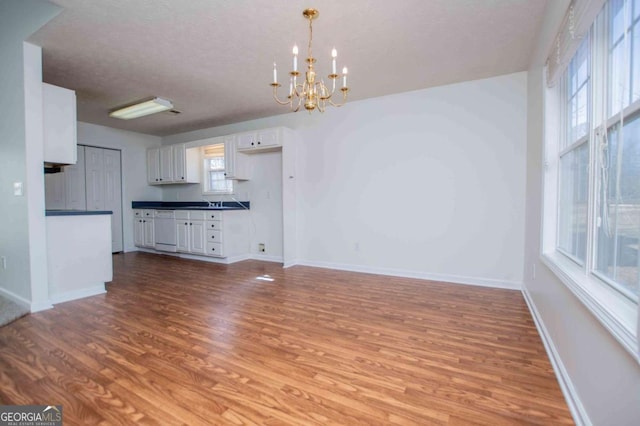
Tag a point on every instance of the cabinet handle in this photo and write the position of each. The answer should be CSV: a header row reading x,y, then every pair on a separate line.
x,y
213,249
252,144
186,223
182,178
258,142
160,178
191,224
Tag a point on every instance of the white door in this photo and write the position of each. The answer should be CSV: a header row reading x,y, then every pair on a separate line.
x,y
74,176
197,235
149,234
166,164
179,163
153,165
138,231
182,235
113,196
94,166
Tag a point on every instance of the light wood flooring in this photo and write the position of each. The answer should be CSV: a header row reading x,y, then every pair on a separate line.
x,y
185,342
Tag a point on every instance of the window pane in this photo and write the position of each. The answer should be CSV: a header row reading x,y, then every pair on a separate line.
x,y
572,223
618,232
578,95
624,61
218,183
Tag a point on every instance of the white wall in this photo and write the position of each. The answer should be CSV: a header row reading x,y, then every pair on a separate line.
x,y
602,379
134,167
21,217
427,183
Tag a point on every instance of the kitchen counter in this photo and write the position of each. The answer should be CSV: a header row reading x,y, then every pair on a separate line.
x,y
190,205
55,212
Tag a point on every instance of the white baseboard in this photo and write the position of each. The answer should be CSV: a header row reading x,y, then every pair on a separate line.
x,y
290,263
78,294
40,306
456,279
265,258
580,416
18,300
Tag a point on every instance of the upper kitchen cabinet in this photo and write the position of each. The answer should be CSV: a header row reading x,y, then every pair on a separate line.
x,y
260,141
59,124
173,164
236,164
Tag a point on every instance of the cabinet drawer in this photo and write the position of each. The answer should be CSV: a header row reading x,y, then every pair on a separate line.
x,y
197,215
214,249
182,214
214,236
211,225
214,215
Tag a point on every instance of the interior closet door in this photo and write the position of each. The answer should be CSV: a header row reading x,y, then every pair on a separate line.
x,y
113,195
94,159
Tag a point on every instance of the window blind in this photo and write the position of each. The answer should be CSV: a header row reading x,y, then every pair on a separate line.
x,y
214,150
574,27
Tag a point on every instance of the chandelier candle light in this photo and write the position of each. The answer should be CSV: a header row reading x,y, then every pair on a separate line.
x,y
311,92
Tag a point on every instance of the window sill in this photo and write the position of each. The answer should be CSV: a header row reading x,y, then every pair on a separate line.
x,y
617,313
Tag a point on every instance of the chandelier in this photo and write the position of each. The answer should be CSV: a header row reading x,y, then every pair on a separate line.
x,y
312,92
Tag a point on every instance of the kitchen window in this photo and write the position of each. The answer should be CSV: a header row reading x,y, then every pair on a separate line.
x,y
592,170
214,180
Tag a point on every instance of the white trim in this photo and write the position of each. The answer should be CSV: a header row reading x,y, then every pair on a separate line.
x,y
40,306
18,300
455,279
266,258
614,311
579,414
290,263
78,294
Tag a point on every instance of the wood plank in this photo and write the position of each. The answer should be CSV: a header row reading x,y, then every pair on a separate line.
x,y
177,341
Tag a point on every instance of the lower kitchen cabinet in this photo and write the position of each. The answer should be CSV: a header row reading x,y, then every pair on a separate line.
x,y
213,233
143,228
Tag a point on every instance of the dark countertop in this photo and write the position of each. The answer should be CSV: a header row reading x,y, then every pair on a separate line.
x,y
189,205
76,212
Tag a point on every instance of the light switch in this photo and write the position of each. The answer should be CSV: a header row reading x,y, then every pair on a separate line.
x,y
17,189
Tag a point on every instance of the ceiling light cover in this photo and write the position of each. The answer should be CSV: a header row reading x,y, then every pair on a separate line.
x,y
140,110
312,93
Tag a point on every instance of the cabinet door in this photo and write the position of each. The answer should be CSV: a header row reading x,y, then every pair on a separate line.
x,y
197,235
166,164
59,124
94,162
230,157
179,163
246,140
268,138
138,232
149,234
153,165
74,176
113,196
54,191
182,235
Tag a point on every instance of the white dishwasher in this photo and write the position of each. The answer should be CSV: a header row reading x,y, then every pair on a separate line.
x,y
165,230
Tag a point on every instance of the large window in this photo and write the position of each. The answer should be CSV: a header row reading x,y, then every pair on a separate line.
x,y
214,174
595,176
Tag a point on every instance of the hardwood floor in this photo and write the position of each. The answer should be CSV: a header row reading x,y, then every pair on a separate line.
x,y
186,342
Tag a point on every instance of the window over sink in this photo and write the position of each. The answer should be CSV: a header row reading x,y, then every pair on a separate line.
x,y
215,181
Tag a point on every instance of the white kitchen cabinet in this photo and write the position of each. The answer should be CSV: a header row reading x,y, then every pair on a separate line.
x,y
75,183
259,141
173,164
236,164
94,172
166,164
153,166
190,232
186,164
143,228
55,191
59,124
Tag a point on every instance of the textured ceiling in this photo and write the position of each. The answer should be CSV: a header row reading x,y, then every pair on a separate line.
x,y
213,58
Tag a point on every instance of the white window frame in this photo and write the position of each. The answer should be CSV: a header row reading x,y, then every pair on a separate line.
x,y
206,190
618,313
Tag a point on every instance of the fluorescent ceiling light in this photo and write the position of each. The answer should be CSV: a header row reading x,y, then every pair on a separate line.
x,y
140,110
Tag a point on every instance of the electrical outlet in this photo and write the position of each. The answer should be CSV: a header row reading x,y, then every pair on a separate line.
x,y
261,248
